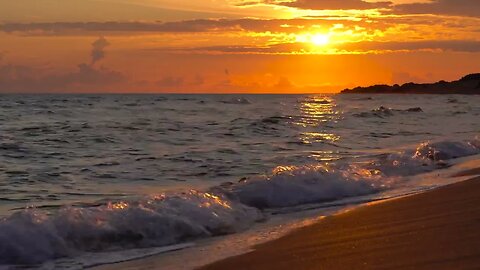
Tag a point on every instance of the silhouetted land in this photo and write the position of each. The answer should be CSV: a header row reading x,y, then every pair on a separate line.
x,y
468,85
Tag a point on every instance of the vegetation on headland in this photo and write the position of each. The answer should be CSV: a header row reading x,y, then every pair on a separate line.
x,y
468,85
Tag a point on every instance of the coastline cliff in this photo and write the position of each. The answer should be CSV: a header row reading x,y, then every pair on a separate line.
x,y
468,85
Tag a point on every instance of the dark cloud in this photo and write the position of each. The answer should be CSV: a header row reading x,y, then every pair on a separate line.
x,y
336,4
23,79
369,26
284,83
443,45
270,49
177,82
201,25
192,26
443,7
469,8
92,10
98,50
170,82
18,78
360,47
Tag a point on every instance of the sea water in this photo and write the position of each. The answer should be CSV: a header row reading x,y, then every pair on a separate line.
x,y
88,175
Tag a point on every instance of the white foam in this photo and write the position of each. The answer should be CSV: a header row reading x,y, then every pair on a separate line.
x,y
426,157
446,150
34,236
296,185
290,186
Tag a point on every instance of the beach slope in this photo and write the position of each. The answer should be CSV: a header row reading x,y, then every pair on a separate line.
x,y
433,230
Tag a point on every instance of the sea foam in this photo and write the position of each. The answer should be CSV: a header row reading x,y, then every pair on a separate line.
x,y
33,236
295,185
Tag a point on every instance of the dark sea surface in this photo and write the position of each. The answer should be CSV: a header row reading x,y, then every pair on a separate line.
x,y
192,166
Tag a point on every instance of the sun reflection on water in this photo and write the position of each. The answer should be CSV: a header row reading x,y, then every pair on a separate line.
x,y
317,113
118,205
309,137
316,110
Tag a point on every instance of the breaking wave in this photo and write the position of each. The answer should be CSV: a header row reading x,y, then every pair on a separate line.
x,y
33,236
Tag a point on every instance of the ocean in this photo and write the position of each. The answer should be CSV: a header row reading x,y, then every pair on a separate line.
x,y
88,174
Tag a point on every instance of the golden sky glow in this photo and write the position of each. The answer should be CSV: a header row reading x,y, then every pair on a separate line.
x,y
232,46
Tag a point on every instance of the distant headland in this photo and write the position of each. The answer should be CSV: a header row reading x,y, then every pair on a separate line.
x,y
468,85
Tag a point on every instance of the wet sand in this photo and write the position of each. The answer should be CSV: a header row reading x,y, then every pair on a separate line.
x,y
439,229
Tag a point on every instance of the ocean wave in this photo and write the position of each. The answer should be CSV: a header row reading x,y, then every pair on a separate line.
x,y
34,236
383,112
296,185
237,101
426,157
446,150
291,186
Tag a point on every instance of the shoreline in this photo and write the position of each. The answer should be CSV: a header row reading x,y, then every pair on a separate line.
x,y
432,230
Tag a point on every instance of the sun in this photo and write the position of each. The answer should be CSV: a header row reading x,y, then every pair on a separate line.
x,y
316,39
320,39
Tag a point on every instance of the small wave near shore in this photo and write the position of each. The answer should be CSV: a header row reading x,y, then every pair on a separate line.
x,y
34,236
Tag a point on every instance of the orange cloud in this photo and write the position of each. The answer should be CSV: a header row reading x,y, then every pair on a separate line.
x,y
442,7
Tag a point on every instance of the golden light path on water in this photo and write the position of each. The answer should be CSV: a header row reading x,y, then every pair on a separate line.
x,y
316,112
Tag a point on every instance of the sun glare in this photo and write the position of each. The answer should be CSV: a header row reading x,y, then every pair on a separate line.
x,y
315,39
320,39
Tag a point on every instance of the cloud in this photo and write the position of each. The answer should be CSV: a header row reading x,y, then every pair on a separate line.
x,y
442,7
19,78
281,48
24,79
170,82
443,45
98,50
103,10
56,28
404,77
284,84
343,48
190,26
175,83
469,8
336,4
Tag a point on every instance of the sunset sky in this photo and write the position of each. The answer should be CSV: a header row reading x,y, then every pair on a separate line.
x,y
233,46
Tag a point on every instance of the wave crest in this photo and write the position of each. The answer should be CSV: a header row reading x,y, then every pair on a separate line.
x,y
291,186
34,236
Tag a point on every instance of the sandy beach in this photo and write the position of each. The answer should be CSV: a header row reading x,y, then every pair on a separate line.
x,y
433,230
